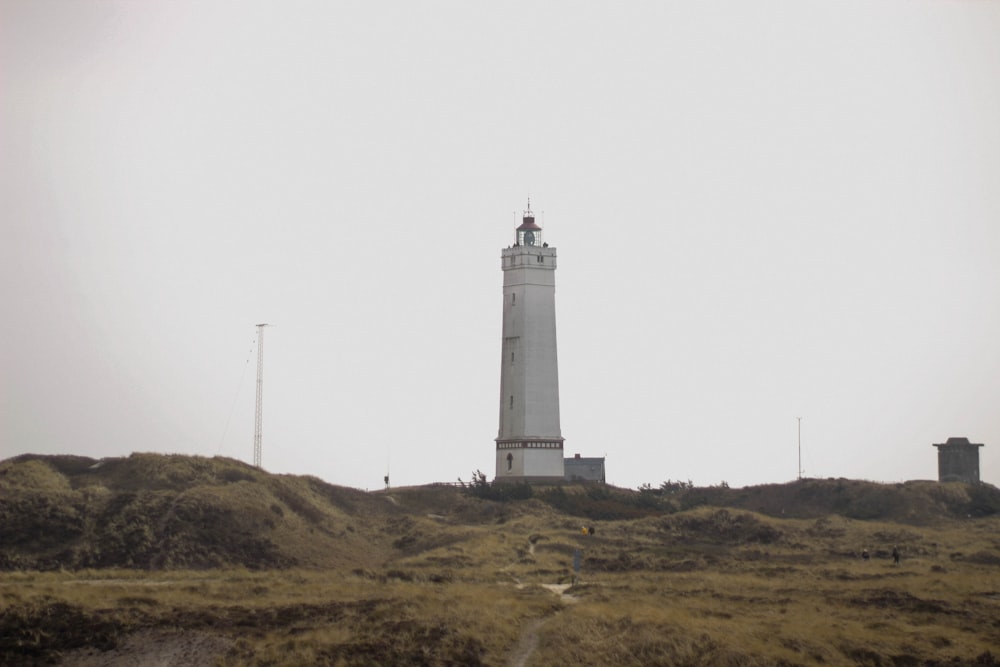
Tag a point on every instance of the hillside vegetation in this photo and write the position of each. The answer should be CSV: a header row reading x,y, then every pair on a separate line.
x,y
152,511
186,560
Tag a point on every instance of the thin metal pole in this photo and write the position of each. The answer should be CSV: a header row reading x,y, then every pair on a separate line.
x,y
257,432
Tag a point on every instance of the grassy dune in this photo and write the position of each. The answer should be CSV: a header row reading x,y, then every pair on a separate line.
x,y
240,567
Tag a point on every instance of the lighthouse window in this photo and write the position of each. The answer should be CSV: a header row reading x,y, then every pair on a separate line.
x,y
513,299
512,401
511,358
510,461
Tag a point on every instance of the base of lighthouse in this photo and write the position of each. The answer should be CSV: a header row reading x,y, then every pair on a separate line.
x,y
533,461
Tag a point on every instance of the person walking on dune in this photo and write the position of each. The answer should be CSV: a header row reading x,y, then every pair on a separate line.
x,y
895,556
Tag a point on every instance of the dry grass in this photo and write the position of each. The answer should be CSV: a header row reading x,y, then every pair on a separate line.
x,y
289,618
430,576
802,598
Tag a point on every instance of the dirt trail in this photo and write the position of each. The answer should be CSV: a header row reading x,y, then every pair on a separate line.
x,y
526,645
528,642
560,590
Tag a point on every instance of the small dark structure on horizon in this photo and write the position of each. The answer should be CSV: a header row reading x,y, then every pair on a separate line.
x,y
958,461
578,469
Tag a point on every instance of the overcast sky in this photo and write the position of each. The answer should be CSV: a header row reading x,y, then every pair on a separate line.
x,y
763,211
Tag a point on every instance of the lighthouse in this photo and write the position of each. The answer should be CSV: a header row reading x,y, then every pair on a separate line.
x,y
529,444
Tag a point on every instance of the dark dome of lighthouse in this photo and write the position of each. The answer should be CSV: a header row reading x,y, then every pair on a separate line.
x,y
528,221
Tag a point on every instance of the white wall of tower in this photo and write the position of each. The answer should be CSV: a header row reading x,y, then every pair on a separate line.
x,y
543,461
529,375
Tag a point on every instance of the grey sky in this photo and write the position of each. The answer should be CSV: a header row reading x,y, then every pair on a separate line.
x,y
763,210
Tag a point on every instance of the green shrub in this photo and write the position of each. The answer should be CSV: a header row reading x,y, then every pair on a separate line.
x,y
480,487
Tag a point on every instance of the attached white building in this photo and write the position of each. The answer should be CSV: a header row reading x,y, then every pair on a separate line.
x,y
529,444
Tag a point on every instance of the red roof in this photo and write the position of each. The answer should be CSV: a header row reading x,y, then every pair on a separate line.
x,y
528,224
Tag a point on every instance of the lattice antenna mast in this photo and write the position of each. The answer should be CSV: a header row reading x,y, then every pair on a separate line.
x,y
800,447
260,395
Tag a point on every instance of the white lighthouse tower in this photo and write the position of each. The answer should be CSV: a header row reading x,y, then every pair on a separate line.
x,y
529,442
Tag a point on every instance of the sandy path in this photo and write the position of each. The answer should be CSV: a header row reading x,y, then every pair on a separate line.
x,y
528,642
526,645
